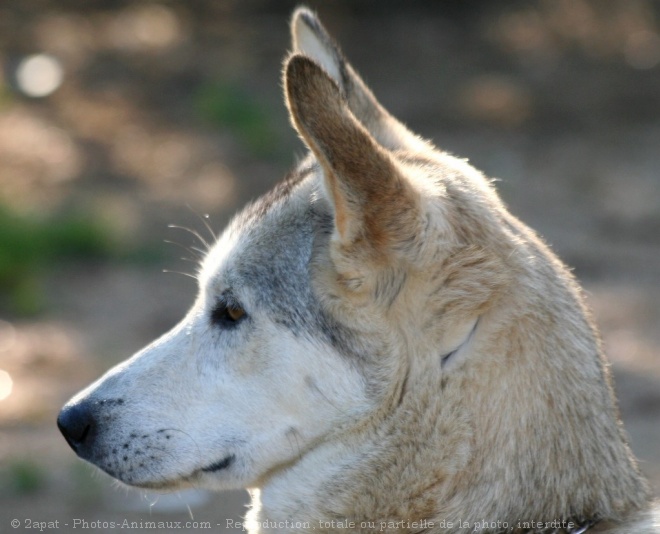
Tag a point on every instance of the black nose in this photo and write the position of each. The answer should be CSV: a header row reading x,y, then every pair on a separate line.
x,y
77,424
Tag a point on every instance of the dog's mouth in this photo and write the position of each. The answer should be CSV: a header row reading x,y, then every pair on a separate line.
x,y
220,465
176,484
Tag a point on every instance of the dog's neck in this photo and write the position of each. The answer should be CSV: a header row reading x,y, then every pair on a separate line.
x,y
453,484
479,453
347,481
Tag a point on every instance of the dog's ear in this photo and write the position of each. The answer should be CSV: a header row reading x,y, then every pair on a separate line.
x,y
375,206
310,38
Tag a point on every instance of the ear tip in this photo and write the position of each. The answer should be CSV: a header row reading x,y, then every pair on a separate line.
x,y
298,65
301,71
304,15
294,65
306,85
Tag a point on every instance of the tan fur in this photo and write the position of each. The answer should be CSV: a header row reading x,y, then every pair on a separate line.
x,y
524,425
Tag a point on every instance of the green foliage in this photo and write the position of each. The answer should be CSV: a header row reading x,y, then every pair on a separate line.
x,y
24,477
234,108
29,246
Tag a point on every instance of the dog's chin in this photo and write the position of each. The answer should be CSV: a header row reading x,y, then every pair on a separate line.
x,y
160,484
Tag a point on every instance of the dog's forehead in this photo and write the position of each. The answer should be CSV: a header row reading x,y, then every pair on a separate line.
x,y
270,240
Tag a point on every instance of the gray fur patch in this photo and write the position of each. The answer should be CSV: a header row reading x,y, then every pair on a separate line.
x,y
284,229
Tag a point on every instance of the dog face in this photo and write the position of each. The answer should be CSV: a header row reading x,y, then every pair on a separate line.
x,y
241,386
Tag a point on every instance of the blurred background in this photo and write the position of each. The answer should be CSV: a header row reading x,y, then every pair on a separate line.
x,y
119,118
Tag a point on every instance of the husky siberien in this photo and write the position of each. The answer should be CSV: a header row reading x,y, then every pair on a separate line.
x,y
377,346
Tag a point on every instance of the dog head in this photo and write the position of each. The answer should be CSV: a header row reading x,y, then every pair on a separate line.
x,y
298,330
367,286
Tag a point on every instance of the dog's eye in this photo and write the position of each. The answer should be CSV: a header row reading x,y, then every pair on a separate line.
x,y
227,314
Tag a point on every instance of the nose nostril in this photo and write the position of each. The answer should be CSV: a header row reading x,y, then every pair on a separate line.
x,y
76,423
75,436
83,436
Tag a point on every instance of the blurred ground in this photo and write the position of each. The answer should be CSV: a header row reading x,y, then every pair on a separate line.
x,y
161,112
